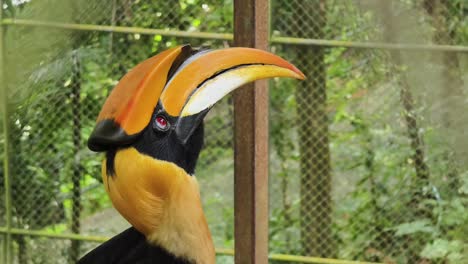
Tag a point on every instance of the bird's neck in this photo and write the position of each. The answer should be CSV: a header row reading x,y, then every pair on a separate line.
x,y
183,229
163,202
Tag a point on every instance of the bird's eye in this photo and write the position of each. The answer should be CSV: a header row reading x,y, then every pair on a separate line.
x,y
161,124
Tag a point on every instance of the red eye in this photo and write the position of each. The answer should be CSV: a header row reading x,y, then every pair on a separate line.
x,y
161,123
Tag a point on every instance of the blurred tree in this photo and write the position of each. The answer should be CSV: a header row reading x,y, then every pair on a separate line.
x,y
312,127
444,20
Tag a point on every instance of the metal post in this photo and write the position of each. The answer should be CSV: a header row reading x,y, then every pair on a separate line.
x,y
251,141
5,238
6,155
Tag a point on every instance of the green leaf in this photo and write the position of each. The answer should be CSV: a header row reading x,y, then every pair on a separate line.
x,y
423,226
196,22
464,188
442,248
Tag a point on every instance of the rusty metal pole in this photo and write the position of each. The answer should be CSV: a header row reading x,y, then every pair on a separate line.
x,y
251,29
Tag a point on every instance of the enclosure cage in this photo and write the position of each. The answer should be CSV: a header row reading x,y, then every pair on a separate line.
x,y
368,156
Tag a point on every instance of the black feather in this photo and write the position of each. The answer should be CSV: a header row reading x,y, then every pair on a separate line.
x,y
130,247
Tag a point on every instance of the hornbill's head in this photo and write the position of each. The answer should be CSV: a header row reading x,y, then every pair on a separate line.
x,y
151,130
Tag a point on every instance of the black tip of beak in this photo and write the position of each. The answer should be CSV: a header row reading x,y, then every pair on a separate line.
x,y
108,135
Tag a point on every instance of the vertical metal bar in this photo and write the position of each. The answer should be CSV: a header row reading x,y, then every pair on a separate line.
x,y
6,153
251,141
4,244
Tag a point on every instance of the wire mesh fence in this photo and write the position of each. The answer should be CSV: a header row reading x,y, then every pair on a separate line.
x,y
367,156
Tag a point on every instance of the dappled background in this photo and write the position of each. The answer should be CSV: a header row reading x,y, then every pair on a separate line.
x,y
368,156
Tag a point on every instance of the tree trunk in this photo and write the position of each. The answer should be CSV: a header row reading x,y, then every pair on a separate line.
x,y
451,90
315,191
410,115
417,209
22,250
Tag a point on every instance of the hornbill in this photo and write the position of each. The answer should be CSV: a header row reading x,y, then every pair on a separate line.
x,y
151,131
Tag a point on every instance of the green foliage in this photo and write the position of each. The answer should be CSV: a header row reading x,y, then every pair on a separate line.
x,y
443,249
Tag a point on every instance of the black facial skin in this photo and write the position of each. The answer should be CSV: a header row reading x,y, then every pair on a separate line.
x,y
167,146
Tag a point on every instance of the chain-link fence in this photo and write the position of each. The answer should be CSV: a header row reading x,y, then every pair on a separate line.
x,y
367,156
